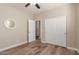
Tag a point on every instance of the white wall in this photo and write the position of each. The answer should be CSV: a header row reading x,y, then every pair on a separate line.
x,y
15,36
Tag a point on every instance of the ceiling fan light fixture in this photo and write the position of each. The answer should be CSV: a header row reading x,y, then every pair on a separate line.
x,y
36,4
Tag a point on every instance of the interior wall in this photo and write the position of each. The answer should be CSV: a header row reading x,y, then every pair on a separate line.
x,y
15,36
70,11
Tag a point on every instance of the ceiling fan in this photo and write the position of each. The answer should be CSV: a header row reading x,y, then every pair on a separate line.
x,y
36,4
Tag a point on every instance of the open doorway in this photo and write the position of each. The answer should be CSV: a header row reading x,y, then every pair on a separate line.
x,y
33,30
37,30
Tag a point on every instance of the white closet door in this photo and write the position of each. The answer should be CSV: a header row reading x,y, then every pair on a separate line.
x,y
55,30
31,30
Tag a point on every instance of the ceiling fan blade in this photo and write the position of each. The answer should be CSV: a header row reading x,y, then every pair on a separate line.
x,y
27,4
37,6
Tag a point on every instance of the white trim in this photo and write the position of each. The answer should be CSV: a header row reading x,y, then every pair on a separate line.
x,y
73,49
12,46
64,46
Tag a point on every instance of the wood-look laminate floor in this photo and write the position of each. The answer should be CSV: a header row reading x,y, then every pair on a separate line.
x,y
38,48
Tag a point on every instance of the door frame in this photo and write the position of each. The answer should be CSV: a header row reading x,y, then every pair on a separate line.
x,y
28,31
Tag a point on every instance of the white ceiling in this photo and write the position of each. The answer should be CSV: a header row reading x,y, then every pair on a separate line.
x,y
32,9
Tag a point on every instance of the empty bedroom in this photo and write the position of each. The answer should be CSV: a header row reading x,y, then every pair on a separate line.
x,y
39,29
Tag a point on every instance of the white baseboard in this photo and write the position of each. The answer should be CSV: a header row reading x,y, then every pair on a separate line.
x,y
64,46
73,49
12,46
